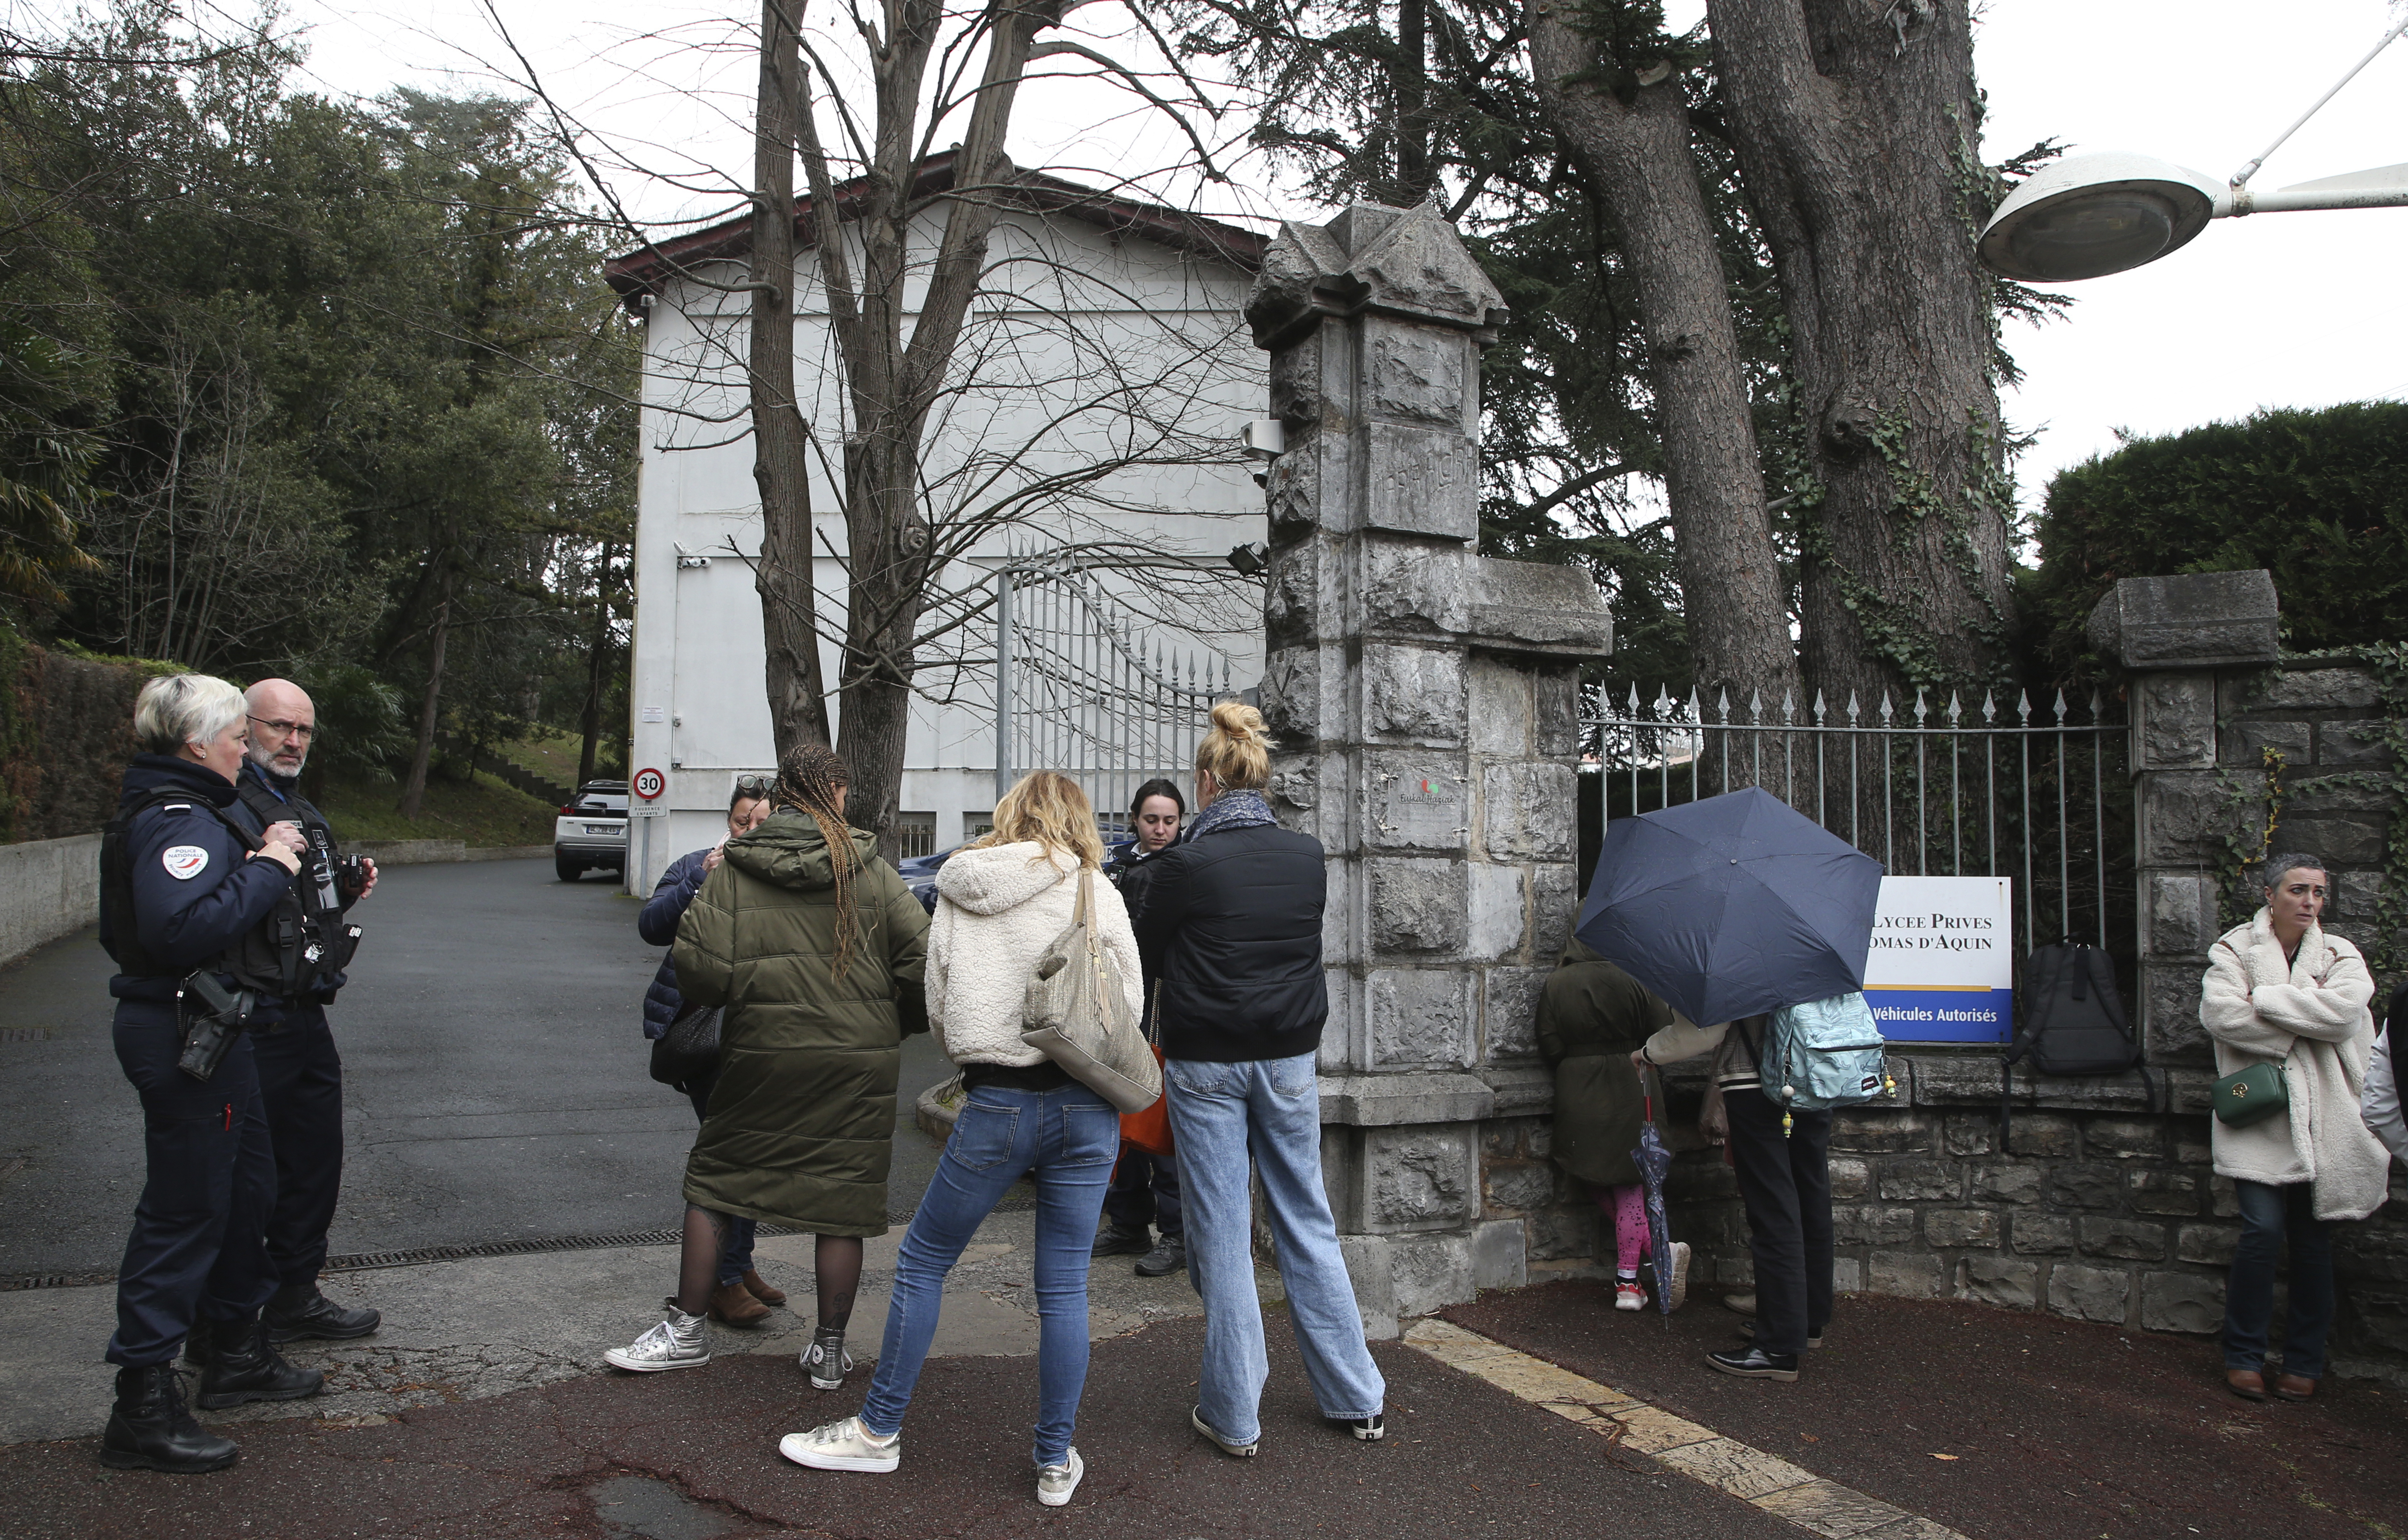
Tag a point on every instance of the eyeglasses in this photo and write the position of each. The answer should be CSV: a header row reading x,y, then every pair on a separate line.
x,y
290,730
755,786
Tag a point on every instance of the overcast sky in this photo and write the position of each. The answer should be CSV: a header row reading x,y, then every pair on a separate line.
x,y
2275,311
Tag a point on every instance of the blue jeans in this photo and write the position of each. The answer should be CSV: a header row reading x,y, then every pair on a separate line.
x,y
1064,1140
2269,1217
1269,1108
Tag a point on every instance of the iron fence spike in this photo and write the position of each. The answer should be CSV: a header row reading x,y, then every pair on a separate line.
x,y
1990,706
1921,709
2094,704
2060,708
1755,705
1955,709
1722,706
1821,710
1788,706
1854,711
2023,707
1887,711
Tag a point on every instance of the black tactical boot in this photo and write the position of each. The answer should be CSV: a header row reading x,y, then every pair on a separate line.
x,y
301,1311
149,1429
240,1367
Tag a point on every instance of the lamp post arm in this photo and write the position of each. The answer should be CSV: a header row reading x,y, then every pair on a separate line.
x,y
2240,177
2384,187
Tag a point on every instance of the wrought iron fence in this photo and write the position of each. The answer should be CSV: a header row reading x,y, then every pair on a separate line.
x,y
1079,690
2018,792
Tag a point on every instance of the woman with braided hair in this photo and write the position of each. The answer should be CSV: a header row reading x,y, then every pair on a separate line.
x,y
814,949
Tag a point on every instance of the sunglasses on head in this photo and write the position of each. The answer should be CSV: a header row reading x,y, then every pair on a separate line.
x,y
755,786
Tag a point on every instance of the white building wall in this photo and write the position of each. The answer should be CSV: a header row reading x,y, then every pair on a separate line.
x,y
1145,338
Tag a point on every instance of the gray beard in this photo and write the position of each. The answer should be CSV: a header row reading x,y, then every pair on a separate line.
x,y
277,778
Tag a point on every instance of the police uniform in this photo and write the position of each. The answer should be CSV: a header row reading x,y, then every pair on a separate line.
x,y
196,1263
301,1088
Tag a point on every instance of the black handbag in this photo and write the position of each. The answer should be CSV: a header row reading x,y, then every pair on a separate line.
x,y
689,1048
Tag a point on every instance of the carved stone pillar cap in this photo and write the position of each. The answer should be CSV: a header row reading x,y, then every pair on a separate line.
x,y
1406,262
2208,619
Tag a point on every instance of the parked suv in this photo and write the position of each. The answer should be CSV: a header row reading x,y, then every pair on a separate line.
x,y
591,830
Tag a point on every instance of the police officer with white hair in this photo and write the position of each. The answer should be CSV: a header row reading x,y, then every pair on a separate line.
x,y
197,908
300,1073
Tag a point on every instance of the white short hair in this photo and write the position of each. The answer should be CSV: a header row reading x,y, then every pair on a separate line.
x,y
184,708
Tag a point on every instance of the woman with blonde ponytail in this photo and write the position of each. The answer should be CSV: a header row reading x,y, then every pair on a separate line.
x,y
814,949
1234,914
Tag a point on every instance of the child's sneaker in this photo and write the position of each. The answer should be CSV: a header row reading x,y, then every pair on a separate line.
x,y
1055,1483
1679,1294
843,1446
1627,1295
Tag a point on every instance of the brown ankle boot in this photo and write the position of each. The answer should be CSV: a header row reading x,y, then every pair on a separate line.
x,y
754,1286
730,1302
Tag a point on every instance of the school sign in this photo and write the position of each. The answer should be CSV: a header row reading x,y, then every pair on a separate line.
x,y
1942,965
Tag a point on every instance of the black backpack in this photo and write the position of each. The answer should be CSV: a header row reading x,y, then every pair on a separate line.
x,y
2070,1020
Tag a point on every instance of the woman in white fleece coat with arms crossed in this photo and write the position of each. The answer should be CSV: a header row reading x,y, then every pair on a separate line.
x,y
2281,991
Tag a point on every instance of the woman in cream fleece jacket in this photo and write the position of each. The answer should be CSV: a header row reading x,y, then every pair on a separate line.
x,y
2281,991
1000,904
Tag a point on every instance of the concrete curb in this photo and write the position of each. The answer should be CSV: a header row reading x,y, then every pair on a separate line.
x,y
48,888
1762,1480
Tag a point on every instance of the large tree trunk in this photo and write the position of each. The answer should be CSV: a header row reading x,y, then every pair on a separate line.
x,y
597,657
1639,157
413,788
789,608
1857,128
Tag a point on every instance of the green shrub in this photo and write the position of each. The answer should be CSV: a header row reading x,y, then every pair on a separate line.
x,y
2319,498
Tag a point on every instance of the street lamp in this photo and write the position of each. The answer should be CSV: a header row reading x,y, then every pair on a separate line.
x,y
2093,215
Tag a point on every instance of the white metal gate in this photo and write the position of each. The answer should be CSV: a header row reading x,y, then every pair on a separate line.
x,y
1084,687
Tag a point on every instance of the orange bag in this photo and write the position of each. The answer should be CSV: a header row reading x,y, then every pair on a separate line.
x,y
1150,1130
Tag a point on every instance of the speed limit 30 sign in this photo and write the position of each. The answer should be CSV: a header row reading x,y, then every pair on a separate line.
x,y
649,784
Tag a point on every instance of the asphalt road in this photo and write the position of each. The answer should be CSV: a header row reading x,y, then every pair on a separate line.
x,y
495,1079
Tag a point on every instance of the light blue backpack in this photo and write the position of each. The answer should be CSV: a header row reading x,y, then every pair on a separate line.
x,y
1825,1053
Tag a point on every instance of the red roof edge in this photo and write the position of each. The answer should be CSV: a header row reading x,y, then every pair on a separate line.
x,y
642,272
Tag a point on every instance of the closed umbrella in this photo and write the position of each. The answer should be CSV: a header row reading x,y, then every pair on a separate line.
x,y
1733,905
1654,1161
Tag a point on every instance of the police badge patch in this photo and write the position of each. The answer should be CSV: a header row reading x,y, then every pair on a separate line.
x,y
183,862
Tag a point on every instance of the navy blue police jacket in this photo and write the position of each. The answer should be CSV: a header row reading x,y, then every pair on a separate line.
x,y
658,925
195,888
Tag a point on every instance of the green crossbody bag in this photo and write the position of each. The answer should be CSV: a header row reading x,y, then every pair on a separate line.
x,y
2252,1094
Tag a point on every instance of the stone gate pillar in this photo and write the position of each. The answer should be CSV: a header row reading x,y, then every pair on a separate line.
x,y
1424,699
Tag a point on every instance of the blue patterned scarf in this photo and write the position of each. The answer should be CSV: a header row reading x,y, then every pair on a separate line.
x,y
1231,810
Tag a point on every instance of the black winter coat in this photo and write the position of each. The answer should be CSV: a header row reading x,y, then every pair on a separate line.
x,y
1234,917
658,925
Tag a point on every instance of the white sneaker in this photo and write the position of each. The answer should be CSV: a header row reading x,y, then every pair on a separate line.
x,y
680,1342
1627,1295
1055,1483
1679,1286
826,1362
846,1445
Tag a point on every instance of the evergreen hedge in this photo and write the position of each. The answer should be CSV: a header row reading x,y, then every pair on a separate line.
x,y
2319,498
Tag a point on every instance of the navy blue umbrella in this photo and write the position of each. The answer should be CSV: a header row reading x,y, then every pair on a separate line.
x,y
1732,906
1654,1159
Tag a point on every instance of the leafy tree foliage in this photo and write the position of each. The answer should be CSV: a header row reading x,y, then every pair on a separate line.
x,y
2319,498
322,390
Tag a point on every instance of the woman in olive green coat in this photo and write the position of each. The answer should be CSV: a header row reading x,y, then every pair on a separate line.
x,y
814,949
1591,1015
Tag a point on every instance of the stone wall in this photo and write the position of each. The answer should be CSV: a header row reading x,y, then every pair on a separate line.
x,y
1423,702
2101,1204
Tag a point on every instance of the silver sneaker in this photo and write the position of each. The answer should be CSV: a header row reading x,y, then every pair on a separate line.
x,y
1055,1483
680,1342
826,1362
845,1445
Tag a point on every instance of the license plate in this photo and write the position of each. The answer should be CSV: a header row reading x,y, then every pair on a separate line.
x,y
603,829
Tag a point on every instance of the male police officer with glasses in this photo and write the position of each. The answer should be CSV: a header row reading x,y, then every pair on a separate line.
x,y
300,1074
